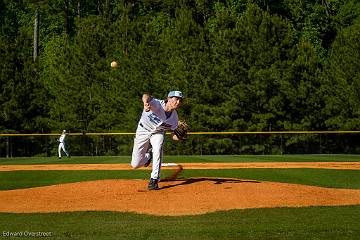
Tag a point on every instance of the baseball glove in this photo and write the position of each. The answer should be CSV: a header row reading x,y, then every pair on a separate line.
x,y
182,130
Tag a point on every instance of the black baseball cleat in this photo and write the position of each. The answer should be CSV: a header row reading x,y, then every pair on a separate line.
x,y
153,184
150,159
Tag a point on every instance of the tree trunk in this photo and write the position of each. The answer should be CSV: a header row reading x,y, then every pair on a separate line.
x,y
36,35
79,8
327,7
67,20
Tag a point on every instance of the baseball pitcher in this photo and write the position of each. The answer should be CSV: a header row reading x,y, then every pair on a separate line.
x,y
158,116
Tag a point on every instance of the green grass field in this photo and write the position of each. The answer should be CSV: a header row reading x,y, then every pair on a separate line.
x,y
187,158
276,223
279,223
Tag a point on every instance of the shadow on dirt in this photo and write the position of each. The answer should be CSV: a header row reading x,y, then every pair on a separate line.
x,y
180,182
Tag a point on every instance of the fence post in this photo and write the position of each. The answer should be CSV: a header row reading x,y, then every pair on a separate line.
x,y
8,148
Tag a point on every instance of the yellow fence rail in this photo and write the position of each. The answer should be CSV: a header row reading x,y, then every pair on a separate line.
x,y
190,133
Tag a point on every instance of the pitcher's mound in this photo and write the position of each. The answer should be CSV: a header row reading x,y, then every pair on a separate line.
x,y
179,197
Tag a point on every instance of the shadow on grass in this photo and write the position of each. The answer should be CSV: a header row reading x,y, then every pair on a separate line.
x,y
196,180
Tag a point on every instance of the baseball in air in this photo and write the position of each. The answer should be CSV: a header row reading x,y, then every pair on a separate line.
x,y
114,64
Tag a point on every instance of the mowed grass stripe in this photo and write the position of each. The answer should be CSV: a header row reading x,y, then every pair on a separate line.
x,y
349,179
186,159
277,223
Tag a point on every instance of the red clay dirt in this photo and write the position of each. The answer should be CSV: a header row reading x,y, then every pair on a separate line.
x,y
178,197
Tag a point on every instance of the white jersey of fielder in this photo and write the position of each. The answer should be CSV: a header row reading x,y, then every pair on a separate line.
x,y
157,120
62,138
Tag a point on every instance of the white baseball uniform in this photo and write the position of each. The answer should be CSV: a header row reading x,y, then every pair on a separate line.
x,y
151,130
62,144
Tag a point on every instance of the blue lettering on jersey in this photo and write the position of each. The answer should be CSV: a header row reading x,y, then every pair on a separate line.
x,y
155,119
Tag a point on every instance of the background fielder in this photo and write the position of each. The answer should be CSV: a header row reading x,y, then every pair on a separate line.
x,y
157,117
61,141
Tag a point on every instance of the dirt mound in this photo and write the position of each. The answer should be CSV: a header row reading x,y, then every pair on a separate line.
x,y
180,197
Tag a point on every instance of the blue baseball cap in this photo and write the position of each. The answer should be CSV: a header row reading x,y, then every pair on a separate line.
x,y
176,94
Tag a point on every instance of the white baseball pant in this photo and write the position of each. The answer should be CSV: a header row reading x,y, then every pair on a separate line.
x,y
140,155
62,147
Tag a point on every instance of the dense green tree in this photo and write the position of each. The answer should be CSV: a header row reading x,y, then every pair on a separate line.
x,y
19,88
341,86
243,65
